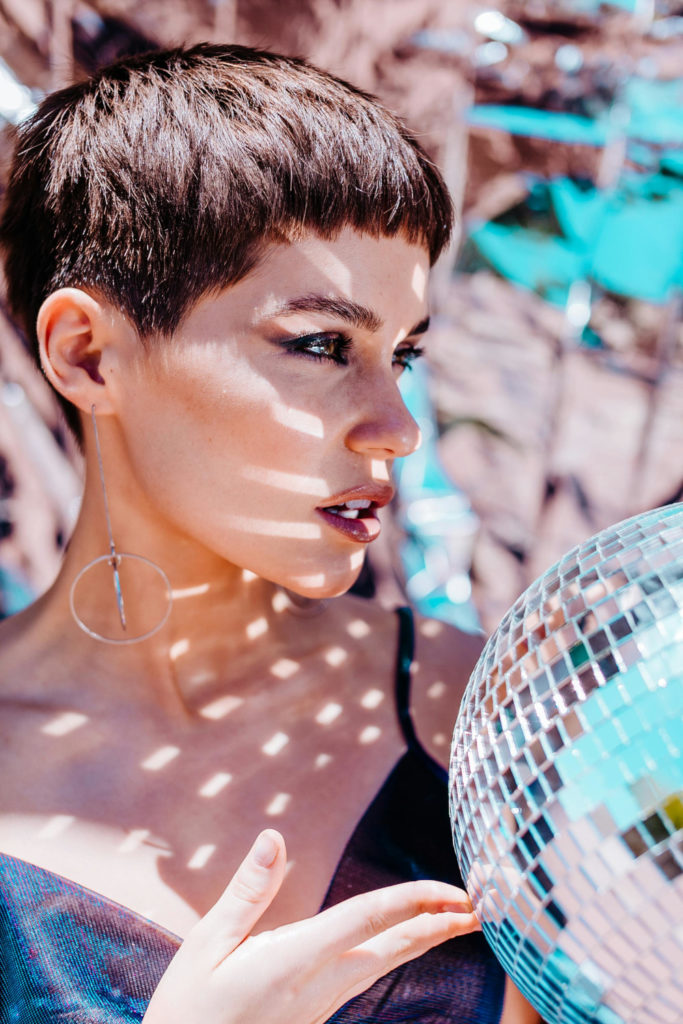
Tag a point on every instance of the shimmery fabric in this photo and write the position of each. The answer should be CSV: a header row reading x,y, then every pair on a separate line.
x,y
70,956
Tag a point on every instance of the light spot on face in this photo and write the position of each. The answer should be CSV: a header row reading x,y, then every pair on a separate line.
x,y
335,656
439,739
357,559
65,723
284,668
179,593
275,744
322,760
431,627
201,856
56,826
248,576
179,648
315,486
133,840
160,758
311,582
378,470
419,281
280,601
436,690
221,707
279,804
214,785
358,628
369,734
372,699
328,714
303,422
257,628
273,527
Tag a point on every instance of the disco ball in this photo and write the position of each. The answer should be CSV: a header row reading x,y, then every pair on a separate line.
x,y
566,781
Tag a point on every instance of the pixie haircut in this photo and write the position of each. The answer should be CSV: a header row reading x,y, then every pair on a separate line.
x,y
161,179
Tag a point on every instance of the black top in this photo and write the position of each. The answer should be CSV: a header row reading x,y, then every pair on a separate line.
x,y
67,954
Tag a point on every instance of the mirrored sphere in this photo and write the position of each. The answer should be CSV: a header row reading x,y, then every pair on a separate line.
x,y
566,781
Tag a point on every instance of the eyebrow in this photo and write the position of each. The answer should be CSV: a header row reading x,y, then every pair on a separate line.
x,y
341,308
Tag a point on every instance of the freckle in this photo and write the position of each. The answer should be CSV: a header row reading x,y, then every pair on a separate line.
x,y
369,734
358,629
372,699
436,690
275,744
328,714
279,804
201,856
160,758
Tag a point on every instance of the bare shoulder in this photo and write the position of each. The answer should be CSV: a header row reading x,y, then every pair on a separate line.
x,y
444,659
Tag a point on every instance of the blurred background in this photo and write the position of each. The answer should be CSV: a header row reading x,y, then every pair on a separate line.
x,y
552,402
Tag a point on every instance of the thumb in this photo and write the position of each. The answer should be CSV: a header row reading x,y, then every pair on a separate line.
x,y
248,895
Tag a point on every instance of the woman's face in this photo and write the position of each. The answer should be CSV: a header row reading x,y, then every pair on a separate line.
x,y
276,403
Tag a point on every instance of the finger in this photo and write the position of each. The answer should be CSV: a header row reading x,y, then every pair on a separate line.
x,y
363,966
358,919
248,895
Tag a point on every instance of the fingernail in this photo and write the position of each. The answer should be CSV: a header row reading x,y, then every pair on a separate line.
x,y
265,850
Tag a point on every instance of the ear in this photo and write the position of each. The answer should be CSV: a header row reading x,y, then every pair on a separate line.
x,y
75,335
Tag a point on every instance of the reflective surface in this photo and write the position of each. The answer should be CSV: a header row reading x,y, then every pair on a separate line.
x,y
566,781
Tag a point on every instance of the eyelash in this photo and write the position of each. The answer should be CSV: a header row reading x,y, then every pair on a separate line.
x,y
341,344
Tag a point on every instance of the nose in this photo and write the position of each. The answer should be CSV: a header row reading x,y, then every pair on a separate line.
x,y
383,428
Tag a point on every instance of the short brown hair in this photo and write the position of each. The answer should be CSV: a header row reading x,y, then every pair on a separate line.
x,y
161,178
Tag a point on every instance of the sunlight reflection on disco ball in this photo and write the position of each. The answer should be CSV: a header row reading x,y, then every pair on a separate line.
x,y
566,781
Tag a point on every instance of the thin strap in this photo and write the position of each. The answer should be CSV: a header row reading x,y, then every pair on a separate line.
x,y
404,661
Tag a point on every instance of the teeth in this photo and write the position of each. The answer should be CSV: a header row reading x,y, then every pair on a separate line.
x,y
348,513
363,503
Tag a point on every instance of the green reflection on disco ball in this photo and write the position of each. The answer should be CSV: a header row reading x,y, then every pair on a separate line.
x,y
566,781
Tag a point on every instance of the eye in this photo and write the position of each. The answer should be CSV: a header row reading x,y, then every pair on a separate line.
x,y
405,355
328,345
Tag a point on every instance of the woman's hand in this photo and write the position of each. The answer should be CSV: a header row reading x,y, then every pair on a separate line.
x,y
299,973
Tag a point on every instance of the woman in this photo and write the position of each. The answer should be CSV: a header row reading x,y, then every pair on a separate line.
x,y
221,258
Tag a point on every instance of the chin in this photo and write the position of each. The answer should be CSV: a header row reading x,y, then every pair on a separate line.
x,y
325,584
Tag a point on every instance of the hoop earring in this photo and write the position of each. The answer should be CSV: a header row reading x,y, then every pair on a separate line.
x,y
148,588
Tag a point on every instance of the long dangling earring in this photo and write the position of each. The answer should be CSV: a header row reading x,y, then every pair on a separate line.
x,y
145,584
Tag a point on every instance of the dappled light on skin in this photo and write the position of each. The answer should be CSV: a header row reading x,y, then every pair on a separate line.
x,y
160,758
280,602
336,656
56,826
439,739
437,689
284,668
275,744
221,707
419,282
180,593
296,419
296,482
201,856
431,627
329,714
179,648
322,761
278,805
248,576
64,723
379,471
370,734
372,699
215,785
133,840
257,628
273,527
358,629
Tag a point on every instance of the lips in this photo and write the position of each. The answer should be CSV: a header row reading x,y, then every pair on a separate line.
x,y
353,513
